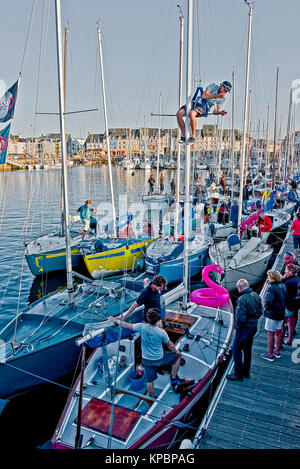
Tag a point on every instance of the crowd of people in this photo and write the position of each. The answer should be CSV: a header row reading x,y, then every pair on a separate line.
x,y
280,311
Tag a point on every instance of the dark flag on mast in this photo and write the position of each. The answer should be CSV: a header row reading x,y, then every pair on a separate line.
x,y
4,138
8,102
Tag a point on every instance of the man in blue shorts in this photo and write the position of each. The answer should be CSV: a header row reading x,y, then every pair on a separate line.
x,y
153,354
85,216
202,102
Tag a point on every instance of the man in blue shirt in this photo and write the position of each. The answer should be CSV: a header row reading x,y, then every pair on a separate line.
x,y
85,216
202,102
153,354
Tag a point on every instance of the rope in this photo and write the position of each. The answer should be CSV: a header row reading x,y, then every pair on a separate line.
x,y
27,35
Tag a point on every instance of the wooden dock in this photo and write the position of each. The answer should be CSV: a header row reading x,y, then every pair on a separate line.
x,y
262,412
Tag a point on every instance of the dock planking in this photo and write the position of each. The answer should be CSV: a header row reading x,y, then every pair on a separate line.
x,y
263,411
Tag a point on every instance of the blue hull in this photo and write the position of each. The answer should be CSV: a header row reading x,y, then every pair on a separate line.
x,y
173,270
52,261
45,364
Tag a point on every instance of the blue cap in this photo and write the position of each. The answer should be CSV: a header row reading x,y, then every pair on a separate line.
x,y
227,85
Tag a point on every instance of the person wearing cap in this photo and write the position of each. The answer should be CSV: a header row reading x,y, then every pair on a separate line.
x,y
85,216
203,100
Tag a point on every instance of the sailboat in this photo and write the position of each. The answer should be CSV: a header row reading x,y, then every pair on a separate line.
x,y
39,343
111,409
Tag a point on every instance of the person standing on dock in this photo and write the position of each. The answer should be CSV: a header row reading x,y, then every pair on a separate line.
x,y
202,102
288,258
248,310
274,312
153,354
296,233
85,216
292,283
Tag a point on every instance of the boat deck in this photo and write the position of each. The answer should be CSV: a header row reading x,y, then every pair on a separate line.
x,y
262,412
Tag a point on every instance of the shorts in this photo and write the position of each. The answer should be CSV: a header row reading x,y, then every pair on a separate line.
x,y
200,109
150,366
296,239
271,325
86,225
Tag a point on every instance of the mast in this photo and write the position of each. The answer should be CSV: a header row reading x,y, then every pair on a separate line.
x,y
232,133
63,150
158,143
267,138
187,148
181,21
78,438
246,97
275,127
65,97
107,134
287,149
219,145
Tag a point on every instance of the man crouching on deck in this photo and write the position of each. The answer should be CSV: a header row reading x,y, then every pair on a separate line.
x,y
153,354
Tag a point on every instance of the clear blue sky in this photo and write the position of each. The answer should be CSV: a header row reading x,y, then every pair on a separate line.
x,y
141,55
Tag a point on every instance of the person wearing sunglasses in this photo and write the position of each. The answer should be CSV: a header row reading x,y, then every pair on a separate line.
x,y
202,102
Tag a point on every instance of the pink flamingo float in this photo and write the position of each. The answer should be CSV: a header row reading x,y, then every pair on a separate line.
x,y
214,296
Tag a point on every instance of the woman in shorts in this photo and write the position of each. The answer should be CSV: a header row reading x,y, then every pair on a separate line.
x,y
274,312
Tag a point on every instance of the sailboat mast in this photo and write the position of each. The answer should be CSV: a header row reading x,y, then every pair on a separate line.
x,y
288,132
232,133
189,56
158,143
181,20
107,134
65,95
63,149
246,98
275,128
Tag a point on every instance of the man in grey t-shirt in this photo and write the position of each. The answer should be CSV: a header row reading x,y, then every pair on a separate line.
x,y
203,100
153,354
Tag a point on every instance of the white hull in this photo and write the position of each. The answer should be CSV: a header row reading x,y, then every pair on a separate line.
x,y
252,268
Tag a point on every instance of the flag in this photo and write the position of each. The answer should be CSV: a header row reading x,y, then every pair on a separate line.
x,y
4,138
8,103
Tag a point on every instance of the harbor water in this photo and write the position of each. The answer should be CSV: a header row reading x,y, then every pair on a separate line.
x,y
30,206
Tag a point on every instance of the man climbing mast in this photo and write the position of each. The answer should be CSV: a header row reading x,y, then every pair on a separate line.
x,y
202,102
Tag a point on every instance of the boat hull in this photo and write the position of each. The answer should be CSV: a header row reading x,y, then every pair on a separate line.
x,y
53,261
173,270
115,261
23,373
253,272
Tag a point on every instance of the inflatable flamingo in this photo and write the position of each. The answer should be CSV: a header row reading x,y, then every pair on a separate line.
x,y
216,295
